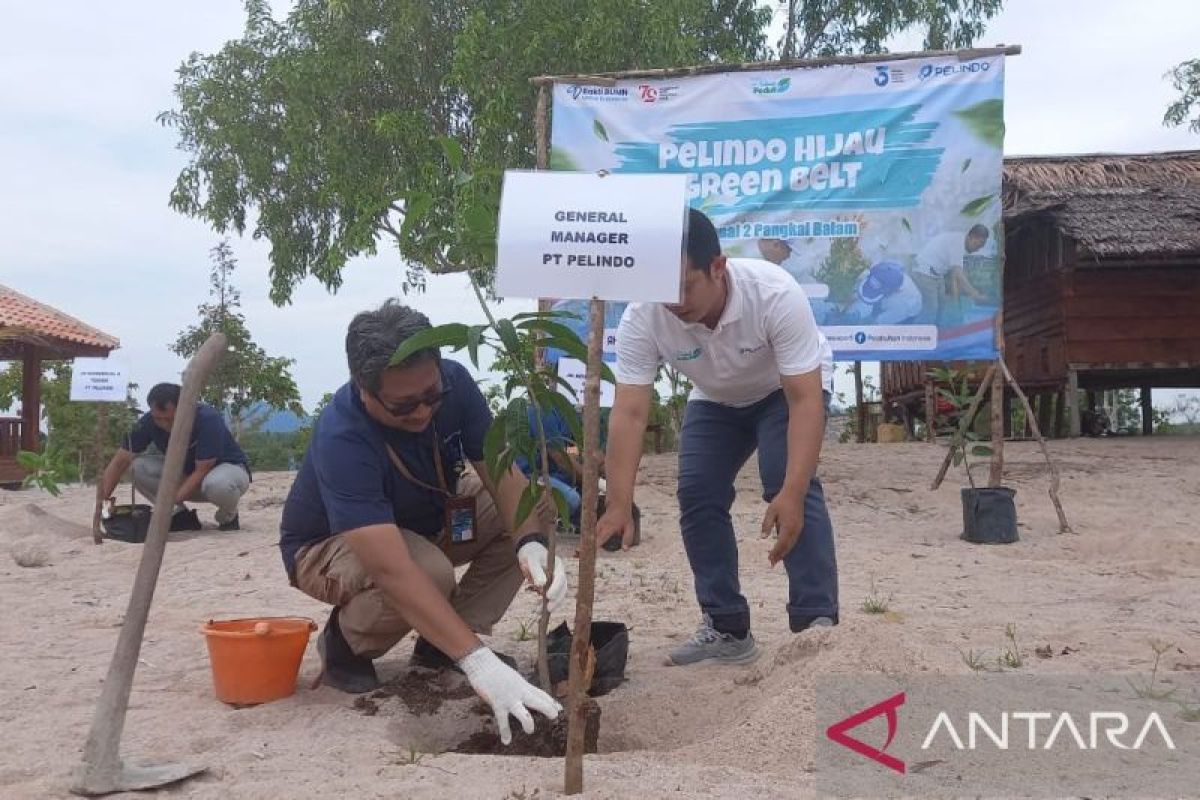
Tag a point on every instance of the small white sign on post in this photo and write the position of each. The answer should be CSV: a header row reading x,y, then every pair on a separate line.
x,y
574,371
580,235
98,380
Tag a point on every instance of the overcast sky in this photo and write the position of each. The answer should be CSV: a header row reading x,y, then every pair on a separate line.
x,y
85,170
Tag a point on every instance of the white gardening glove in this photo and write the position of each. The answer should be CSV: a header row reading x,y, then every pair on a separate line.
x,y
506,691
533,557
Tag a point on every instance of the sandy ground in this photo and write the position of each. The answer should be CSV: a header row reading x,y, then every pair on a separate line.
x,y
1129,575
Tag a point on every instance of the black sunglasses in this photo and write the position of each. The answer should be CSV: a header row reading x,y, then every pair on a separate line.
x,y
433,400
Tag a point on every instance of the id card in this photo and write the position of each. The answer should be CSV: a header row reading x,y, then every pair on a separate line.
x,y
460,519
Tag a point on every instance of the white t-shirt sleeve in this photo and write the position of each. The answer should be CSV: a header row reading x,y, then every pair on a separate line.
x,y
792,331
637,352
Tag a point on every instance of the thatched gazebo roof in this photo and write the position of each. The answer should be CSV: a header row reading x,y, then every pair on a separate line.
x,y
1115,207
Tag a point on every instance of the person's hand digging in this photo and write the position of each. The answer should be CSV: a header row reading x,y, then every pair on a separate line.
x,y
615,522
506,692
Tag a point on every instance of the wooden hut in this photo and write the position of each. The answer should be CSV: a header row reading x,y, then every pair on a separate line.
x,y
32,332
1101,281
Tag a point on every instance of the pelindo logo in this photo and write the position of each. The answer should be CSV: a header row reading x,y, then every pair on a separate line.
x,y
944,70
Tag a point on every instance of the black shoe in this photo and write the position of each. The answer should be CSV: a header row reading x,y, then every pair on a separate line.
x,y
186,519
343,670
426,656
231,525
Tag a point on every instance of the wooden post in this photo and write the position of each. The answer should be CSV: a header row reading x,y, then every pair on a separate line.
x,y
31,399
860,407
1045,408
541,133
1063,527
996,473
1147,412
930,409
1071,400
1060,414
585,594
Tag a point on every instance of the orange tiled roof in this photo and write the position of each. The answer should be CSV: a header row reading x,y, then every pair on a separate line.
x,y
39,321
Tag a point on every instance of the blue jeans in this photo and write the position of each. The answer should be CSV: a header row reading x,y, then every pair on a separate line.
x,y
571,495
715,442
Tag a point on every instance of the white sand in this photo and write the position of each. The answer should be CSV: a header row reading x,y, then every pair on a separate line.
x,y
1129,575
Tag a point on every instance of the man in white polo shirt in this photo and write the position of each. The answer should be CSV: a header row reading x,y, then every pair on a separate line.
x,y
745,336
939,261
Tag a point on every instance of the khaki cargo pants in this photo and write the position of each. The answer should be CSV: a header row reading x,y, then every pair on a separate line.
x,y
328,571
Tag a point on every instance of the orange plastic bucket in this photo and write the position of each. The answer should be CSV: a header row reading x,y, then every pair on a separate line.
x,y
256,660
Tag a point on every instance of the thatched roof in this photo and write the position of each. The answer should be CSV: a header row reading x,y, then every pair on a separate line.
x,y
1112,206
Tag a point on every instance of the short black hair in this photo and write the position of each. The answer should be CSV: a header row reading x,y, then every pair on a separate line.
x,y
373,337
700,241
163,395
978,231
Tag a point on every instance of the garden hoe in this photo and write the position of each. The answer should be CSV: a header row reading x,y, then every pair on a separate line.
x,y
103,770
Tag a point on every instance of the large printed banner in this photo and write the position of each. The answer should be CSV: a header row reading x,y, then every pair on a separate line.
x,y
877,186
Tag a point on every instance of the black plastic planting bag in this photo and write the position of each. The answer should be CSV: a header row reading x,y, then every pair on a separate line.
x,y
128,523
610,640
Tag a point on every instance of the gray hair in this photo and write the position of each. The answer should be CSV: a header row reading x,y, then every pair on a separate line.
x,y
373,337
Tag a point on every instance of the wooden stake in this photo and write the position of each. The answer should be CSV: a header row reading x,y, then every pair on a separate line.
x,y
1071,398
103,772
585,593
996,475
859,408
1063,527
965,423
930,409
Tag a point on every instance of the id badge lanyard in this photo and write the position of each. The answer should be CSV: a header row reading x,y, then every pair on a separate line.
x,y
458,522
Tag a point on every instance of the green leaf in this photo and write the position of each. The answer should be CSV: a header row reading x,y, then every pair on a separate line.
x,y
567,411
572,347
981,450
524,315
549,327
416,207
29,460
453,335
560,503
904,221
453,151
985,119
598,129
493,445
965,165
977,206
474,337
958,457
606,373
526,504
509,337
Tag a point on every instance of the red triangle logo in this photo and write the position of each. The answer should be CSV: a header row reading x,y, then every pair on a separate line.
x,y
837,732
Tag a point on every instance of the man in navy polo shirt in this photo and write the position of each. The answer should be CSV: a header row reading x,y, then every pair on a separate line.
x,y
215,468
383,509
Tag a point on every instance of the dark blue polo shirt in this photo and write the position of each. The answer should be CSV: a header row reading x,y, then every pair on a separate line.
x,y
210,439
347,480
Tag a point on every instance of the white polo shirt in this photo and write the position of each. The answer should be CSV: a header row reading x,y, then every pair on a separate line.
x,y
766,330
940,255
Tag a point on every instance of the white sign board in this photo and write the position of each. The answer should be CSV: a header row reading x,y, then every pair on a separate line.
x,y
580,235
573,371
98,379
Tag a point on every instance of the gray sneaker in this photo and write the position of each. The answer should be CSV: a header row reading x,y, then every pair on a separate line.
x,y
709,644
